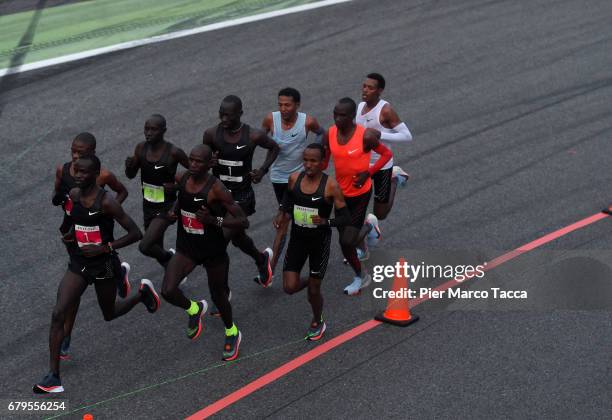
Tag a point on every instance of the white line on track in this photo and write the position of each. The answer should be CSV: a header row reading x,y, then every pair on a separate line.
x,y
173,35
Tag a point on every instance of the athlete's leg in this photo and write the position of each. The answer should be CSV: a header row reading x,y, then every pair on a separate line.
x,y
152,244
217,271
281,232
279,241
241,240
69,293
295,257
315,298
384,192
318,257
71,314
178,267
292,283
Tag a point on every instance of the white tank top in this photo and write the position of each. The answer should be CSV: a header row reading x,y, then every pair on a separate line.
x,y
371,119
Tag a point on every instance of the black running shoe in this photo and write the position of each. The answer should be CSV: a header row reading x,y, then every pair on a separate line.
x,y
232,346
64,355
150,298
265,270
215,311
316,330
123,282
50,384
195,326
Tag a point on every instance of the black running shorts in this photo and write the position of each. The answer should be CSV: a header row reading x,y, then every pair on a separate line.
x,y
358,206
314,247
246,200
151,212
382,185
101,269
279,191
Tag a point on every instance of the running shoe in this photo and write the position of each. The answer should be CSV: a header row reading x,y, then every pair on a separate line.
x,y
363,254
357,285
123,282
316,330
374,235
194,328
215,311
50,384
149,296
401,176
264,277
182,283
64,355
231,347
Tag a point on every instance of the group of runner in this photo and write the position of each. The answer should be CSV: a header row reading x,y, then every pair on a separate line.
x,y
212,209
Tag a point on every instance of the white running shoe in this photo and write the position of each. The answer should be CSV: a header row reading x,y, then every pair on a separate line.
x,y
374,235
401,176
362,254
353,288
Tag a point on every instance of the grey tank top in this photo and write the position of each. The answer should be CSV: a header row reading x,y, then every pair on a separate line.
x,y
292,143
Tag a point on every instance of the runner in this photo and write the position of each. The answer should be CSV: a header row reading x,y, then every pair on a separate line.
x,y
233,144
378,114
289,129
309,199
94,261
202,202
84,143
350,145
157,160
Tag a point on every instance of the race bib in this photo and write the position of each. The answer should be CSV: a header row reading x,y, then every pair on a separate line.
x,y
191,224
87,235
68,205
302,216
153,193
230,162
230,178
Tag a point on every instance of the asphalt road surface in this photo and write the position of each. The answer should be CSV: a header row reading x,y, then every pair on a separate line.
x,y
509,105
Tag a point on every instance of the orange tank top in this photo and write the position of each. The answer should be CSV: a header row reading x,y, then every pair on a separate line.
x,y
349,160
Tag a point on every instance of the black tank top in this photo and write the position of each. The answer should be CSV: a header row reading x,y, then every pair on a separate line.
x,y
235,160
307,205
193,239
91,225
153,176
66,184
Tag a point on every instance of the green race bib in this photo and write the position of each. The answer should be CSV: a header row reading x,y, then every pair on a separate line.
x,y
302,216
153,193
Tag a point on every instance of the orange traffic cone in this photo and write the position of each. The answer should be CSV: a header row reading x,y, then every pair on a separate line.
x,y
398,309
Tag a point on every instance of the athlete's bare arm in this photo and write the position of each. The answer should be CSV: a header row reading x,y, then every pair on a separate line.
x,y
57,198
285,211
267,125
111,207
108,178
209,136
325,143
219,193
313,126
180,156
261,139
132,163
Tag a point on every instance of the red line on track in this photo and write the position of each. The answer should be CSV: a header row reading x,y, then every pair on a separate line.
x,y
368,325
